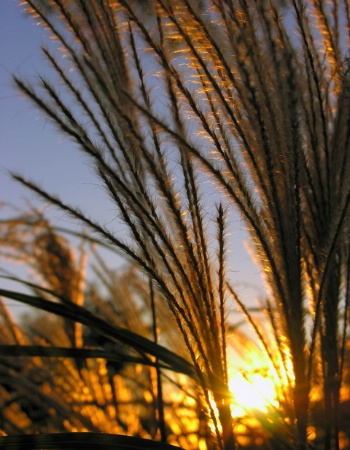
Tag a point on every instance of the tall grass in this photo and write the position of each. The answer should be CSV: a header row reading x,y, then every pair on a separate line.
x,y
253,96
58,376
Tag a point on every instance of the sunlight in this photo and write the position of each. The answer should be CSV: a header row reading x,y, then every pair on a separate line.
x,y
252,391
253,382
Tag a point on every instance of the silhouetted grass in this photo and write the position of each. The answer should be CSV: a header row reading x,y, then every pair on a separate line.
x,y
254,97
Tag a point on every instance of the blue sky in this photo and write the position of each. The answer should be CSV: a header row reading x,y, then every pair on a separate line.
x,y
30,145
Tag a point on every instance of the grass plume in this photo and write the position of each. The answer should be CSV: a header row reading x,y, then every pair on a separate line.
x,y
252,96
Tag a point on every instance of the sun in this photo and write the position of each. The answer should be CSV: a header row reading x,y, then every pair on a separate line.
x,y
252,391
253,383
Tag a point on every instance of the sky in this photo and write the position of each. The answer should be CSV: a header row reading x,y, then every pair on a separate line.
x,y
30,146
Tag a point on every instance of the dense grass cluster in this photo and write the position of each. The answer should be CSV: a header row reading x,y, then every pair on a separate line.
x,y
253,98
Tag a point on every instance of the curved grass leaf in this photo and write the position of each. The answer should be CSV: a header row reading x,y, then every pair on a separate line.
x,y
65,352
36,287
86,441
78,314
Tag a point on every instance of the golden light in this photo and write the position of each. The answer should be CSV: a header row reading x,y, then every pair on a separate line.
x,y
252,391
253,383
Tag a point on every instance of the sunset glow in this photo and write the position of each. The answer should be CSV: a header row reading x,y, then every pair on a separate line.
x,y
253,383
252,391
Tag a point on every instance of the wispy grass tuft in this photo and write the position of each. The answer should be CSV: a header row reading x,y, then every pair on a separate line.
x,y
254,97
